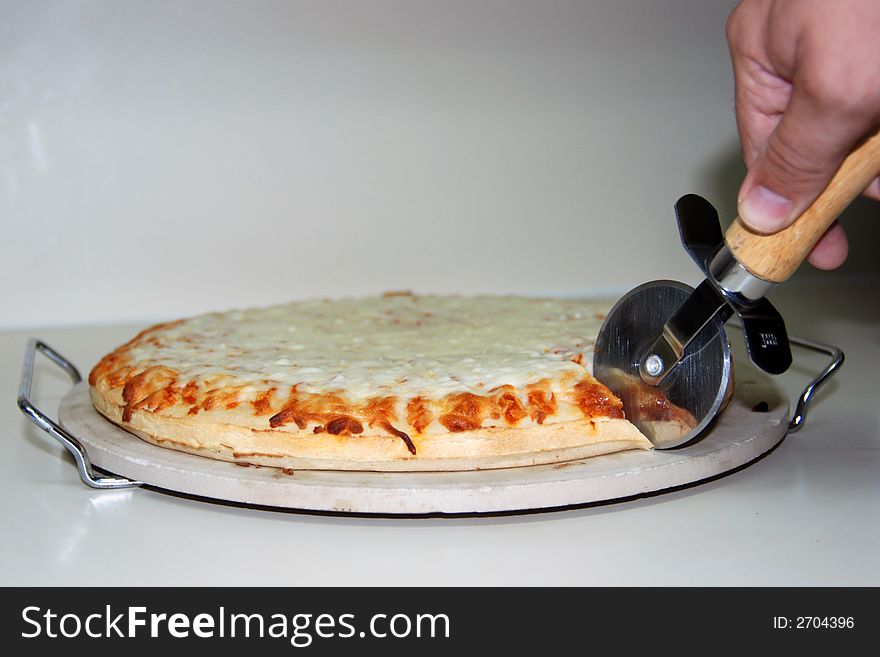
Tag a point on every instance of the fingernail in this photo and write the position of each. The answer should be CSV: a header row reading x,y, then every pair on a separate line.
x,y
764,210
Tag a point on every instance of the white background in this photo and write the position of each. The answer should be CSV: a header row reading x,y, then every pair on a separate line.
x,y
159,159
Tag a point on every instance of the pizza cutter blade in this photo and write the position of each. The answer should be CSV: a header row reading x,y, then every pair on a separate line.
x,y
699,384
663,348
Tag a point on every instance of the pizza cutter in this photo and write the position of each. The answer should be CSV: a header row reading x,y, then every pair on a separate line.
x,y
663,346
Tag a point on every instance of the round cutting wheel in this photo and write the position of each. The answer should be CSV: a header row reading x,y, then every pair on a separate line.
x,y
685,402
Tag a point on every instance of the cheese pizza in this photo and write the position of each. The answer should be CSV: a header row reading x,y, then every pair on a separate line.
x,y
398,382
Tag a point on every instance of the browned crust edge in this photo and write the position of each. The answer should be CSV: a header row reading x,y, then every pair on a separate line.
x,y
487,448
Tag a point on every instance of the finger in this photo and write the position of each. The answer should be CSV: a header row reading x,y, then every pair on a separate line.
x,y
801,156
873,190
760,96
758,107
831,250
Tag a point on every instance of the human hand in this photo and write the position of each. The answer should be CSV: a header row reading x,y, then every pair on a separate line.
x,y
807,76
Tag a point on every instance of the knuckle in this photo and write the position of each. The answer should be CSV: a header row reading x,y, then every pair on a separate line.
x,y
733,27
730,28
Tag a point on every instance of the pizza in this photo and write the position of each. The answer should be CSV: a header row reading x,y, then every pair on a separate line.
x,y
658,416
398,382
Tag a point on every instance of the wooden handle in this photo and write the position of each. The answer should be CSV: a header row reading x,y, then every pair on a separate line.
x,y
776,257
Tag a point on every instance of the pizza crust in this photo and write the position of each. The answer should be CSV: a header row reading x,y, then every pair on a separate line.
x,y
485,448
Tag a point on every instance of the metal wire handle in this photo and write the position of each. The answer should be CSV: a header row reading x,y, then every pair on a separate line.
x,y
800,412
83,464
88,476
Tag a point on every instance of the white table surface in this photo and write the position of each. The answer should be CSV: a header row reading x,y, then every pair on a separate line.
x,y
806,514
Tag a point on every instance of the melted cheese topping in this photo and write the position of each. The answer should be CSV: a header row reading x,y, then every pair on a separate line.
x,y
402,345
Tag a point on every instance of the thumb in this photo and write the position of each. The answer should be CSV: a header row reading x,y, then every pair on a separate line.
x,y
801,156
